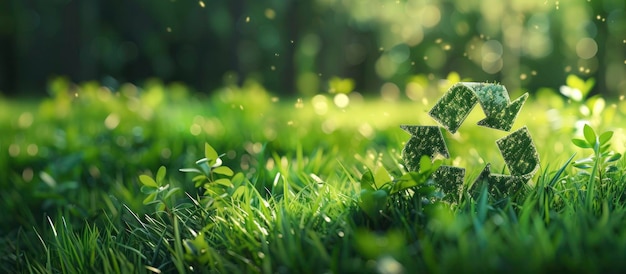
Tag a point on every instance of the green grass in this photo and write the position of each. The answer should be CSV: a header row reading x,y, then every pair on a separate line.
x,y
73,201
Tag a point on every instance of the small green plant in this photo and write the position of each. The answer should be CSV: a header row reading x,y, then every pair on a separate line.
x,y
216,180
600,163
377,186
157,189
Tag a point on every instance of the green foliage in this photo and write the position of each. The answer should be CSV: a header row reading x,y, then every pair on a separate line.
x,y
601,163
157,190
378,186
216,180
284,187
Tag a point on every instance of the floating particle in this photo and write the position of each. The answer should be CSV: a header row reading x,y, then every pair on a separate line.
x,y
201,3
299,103
247,19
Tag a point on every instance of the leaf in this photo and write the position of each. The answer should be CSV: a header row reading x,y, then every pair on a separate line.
x,y
425,163
149,199
147,181
199,180
190,170
611,169
614,158
367,180
224,182
202,161
584,87
407,181
589,134
585,163
224,170
381,177
160,175
238,179
171,192
404,182
210,154
581,143
147,189
605,137
604,150
241,191
582,165
372,201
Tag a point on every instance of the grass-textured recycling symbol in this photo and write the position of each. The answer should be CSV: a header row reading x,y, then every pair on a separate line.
x,y
517,149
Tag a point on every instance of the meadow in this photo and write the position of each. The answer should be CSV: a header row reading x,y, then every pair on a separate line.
x,y
159,179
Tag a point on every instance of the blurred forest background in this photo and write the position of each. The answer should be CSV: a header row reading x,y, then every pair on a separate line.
x,y
295,47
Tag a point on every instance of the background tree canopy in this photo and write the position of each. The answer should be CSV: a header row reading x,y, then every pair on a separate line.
x,y
297,46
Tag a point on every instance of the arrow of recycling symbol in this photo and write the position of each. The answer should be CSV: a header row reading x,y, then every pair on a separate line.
x,y
517,149
456,104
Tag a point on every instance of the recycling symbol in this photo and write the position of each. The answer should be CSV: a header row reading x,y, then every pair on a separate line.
x,y
517,149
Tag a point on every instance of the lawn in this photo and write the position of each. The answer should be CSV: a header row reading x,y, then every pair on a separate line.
x,y
156,178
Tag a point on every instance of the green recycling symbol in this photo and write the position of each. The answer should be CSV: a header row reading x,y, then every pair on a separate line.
x,y
517,149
